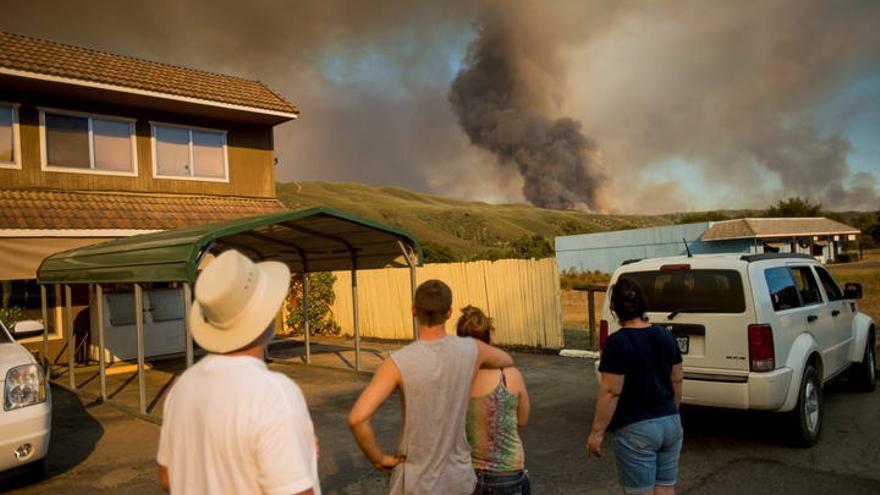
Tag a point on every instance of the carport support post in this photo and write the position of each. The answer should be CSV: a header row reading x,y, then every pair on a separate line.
x,y
71,341
99,310
45,315
357,325
187,304
410,258
305,304
591,315
139,325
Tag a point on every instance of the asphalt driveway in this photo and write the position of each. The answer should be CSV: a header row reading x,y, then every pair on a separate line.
x,y
97,449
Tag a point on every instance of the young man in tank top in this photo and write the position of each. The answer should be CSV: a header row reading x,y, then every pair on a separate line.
x,y
434,376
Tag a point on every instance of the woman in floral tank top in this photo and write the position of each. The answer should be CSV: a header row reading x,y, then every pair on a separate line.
x,y
499,405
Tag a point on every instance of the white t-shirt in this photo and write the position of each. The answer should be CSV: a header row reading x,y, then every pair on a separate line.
x,y
232,426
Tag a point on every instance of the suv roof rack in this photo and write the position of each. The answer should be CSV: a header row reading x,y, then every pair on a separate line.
x,y
749,258
631,261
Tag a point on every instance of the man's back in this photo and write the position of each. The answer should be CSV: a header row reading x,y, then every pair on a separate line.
x,y
436,376
232,426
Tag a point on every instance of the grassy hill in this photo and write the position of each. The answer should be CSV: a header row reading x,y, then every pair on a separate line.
x,y
466,229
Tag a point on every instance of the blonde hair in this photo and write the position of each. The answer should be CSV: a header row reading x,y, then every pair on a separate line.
x,y
474,323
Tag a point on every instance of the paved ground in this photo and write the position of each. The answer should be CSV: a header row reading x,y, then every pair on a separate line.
x,y
97,449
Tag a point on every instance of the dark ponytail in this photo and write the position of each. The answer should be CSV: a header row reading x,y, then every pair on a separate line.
x,y
627,300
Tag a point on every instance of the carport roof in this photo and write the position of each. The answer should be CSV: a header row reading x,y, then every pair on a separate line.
x,y
314,239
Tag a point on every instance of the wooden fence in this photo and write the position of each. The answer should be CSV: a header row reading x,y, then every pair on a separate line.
x,y
521,295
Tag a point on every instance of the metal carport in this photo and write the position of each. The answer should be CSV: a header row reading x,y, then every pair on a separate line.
x,y
309,240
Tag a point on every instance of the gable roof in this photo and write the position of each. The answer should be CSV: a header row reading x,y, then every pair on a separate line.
x,y
71,211
760,228
33,57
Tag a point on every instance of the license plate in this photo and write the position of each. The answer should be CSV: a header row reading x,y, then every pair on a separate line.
x,y
683,343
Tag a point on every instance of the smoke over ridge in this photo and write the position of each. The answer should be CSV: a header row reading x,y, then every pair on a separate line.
x,y
499,110
693,103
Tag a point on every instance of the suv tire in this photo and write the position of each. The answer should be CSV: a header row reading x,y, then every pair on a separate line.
x,y
806,419
864,374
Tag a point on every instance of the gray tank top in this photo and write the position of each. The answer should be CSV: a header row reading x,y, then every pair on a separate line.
x,y
436,378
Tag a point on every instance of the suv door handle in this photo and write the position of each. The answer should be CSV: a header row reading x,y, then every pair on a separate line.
x,y
812,318
835,312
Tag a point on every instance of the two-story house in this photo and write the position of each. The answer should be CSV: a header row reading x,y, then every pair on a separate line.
x,y
95,146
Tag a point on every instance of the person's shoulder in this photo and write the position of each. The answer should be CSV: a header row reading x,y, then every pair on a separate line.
x,y
620,337
514,376
468,342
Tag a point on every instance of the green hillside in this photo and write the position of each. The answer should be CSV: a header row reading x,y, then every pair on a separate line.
x,y
466,229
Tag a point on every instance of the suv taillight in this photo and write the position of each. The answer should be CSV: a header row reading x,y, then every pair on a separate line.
x,y
762,356
603,333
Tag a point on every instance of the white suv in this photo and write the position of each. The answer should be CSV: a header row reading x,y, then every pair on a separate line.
x,y
762,332
26,412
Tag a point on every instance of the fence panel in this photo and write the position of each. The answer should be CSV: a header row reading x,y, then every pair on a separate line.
x,y
521,295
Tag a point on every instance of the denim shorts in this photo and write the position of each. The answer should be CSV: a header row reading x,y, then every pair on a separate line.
x,y
489,483
647,453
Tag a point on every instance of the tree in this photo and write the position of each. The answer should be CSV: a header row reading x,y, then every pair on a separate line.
x,y
794,207
321,299
702,216
438,253
534,246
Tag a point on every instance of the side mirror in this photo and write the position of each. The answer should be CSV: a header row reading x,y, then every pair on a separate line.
x,y
852,291
27,328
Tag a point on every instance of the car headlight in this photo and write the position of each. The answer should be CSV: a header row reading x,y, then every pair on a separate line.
x,y
24,387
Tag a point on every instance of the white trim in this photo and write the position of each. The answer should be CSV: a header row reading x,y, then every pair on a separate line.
x,y
142,92
5,233
15,164
44,156
783,237
192,169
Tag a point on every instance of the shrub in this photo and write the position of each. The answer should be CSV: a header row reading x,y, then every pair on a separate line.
x,y
321,299
571,277
11,315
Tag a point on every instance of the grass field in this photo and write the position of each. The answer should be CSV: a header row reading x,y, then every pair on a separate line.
x,y
467,228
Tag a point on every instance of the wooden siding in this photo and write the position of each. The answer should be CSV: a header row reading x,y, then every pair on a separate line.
x,y
249,150
521,295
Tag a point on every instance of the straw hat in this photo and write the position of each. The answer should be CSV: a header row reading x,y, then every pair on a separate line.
x,y
236,300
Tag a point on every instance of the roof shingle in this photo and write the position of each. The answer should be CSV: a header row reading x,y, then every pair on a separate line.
x,y
760,228
37,209
28,54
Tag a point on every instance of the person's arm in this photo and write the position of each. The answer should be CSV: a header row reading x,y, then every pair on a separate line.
x,y
164,482
384,382
676,377
610,388
490,357
518,384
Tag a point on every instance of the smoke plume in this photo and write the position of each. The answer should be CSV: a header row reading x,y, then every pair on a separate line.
x,y
500,109
695,103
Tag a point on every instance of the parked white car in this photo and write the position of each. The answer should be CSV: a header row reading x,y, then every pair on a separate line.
x,y
26,416
763,332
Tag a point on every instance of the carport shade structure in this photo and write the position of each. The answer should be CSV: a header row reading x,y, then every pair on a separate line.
x,y
310,240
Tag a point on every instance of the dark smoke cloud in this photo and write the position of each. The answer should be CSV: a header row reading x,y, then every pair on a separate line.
x,y
734,89
500,110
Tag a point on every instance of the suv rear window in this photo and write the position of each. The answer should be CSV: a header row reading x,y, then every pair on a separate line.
x,y
707,291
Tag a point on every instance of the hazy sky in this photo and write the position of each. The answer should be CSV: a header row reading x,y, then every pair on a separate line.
x,y
690,104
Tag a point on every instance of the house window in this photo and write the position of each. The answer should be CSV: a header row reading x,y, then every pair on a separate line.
x,y
9,143
76,142
189,153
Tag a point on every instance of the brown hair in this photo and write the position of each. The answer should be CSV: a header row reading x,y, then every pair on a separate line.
x,y
432,303
474,323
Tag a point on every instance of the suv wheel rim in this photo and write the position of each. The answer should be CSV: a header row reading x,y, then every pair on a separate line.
x,y
811,407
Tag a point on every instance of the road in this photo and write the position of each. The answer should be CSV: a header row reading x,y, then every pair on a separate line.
x,y
97,449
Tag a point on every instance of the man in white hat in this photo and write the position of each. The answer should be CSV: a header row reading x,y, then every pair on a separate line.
x,y
230,425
